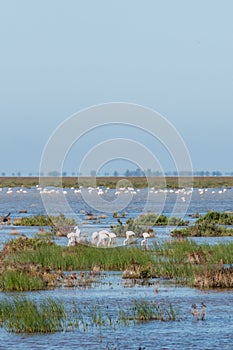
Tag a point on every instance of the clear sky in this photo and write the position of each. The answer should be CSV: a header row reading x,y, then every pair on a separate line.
x,y
58,57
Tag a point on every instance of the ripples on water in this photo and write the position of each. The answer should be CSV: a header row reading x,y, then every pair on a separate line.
x,y
214,333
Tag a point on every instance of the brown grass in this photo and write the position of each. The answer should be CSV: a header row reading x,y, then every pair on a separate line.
x,y
220,277
111,181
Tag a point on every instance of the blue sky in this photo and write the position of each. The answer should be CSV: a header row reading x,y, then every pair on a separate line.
x,y
58,57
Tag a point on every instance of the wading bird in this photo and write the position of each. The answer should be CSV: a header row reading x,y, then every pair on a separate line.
x,y
144,242
112,237
74,237
94,237
103,235
129,235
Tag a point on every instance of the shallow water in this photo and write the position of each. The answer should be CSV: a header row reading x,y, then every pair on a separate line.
x,y
213,333
16,199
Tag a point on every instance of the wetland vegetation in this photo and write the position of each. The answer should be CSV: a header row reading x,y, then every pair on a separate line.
x,y
212,224
21,314
34,264
56,224
203,230
144,223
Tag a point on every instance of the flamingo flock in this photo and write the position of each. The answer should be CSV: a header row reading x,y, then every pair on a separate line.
x,y
104,238
182,193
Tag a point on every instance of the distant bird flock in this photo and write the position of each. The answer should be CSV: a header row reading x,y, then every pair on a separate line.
x,y
183,193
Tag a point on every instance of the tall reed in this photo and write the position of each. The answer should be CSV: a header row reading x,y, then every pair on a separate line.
x,y
19,281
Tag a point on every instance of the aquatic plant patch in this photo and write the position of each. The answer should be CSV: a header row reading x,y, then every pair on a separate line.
x,y
145,222
214,217
203,229
20,314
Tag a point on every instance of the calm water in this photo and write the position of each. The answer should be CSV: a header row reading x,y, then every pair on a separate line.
x,y
213,333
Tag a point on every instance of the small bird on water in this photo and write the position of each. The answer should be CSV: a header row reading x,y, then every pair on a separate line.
x,y
199,314
194,311
203,311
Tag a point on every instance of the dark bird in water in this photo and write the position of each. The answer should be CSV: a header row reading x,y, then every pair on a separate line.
x,y
5,218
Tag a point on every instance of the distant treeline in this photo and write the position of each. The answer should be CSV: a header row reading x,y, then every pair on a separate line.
x,y
128,173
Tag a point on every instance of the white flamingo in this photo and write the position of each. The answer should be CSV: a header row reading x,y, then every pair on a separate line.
x,y
94,237
144,242
102,237
77,231
71,239
74,237
112,237
129,235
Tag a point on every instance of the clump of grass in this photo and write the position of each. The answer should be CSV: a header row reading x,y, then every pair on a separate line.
x,y
24,315
36,220
150,310
19,281
55,222
153,219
